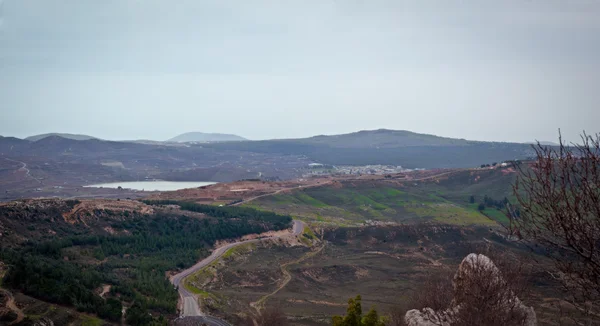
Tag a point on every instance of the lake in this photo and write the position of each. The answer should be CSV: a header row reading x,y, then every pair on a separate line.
x,y
154,185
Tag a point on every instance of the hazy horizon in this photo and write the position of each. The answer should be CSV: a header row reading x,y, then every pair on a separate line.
x,y
511,70
272,138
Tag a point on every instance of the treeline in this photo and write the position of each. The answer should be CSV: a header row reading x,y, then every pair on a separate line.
x,y
500,205
68,270
490,202
60,282
354,315
246,213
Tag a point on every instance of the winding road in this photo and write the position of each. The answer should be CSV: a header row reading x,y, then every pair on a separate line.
x,y
24,167
190,300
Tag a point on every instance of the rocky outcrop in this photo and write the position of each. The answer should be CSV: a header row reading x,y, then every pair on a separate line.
x,y
481,296
44,321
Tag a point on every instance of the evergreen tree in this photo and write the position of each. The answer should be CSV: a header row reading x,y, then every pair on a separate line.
x,y
372,319
354,315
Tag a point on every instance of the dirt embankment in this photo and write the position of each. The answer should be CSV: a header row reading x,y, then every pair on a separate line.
x,y
72,211
9,312
93,209
237,191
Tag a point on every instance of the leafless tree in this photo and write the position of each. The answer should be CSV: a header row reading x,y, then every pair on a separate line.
x,y
435,291
559,203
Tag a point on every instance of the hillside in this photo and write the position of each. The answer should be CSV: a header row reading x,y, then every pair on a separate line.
x,y
442,199
63,135
57,166
383,235
383,138
7,144
99,256
384,264
205,137
389,147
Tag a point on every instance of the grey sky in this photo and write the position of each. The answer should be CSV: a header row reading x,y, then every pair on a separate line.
x,y
132,69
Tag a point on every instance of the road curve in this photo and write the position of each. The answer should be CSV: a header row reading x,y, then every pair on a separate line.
x,y
190,301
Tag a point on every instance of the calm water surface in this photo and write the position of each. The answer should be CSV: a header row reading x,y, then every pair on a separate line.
x,y
154,185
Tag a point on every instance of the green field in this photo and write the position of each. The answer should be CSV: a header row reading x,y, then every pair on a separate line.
x,y
357,202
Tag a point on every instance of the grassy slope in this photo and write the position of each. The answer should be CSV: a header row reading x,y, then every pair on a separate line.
x,y
382,263
444,201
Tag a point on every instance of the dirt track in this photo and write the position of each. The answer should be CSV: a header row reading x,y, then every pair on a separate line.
x,y
287,277
189,299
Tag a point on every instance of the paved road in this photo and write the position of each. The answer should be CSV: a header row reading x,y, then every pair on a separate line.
x,y
190,301
200,320
213,321
190,306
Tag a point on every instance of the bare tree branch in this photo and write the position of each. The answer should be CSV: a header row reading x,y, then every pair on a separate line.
x,y
559,202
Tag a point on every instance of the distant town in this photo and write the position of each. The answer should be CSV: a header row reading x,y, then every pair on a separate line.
x,y
318,169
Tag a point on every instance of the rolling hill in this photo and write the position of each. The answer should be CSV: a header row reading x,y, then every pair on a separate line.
x,y
382,138
444,199
388,147
63,135
205,137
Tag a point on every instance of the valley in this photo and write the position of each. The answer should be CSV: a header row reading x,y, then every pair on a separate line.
x,y
61,164
223,253
350,234
299,163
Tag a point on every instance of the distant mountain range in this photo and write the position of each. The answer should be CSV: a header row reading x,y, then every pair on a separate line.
x,y
59,159
205,137
183,138
382,146
382,138
387,147
63,135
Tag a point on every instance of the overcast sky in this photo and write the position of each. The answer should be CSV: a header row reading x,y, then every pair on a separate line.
x,y
148,69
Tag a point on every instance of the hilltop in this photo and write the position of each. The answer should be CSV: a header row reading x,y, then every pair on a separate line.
x,y
388,147
205,137
383,138
63,135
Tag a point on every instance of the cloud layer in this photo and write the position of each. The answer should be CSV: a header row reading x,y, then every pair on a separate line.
x,y
129,69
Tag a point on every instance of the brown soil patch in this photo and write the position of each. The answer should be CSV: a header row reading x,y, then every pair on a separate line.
x,y
105,290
